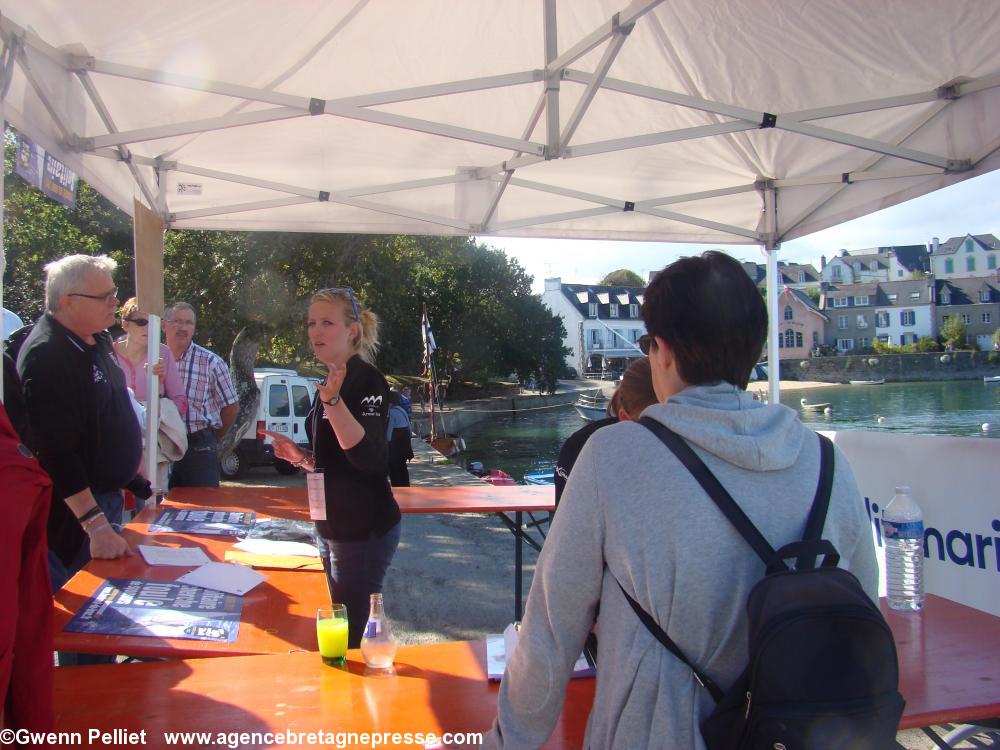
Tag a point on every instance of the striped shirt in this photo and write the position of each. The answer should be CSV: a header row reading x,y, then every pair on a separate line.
x,y
208,386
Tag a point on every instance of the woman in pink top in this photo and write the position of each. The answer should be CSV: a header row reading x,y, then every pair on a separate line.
x,y
131,355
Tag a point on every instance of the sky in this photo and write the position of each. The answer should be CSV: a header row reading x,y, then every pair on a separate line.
x,y
969,207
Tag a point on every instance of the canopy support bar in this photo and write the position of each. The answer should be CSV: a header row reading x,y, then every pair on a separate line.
x,y
601,34
771,252
552,78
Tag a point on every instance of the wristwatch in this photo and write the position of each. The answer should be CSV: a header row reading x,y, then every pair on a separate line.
x,y
333,401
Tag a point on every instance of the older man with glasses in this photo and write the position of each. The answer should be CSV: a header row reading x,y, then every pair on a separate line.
x,y
211,398
85,430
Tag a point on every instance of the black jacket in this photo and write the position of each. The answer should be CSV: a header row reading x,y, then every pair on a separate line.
x,y
359,500
57,375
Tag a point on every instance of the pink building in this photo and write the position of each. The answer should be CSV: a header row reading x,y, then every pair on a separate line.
x,y
800,324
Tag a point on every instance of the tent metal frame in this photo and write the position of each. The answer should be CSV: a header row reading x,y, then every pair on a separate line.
x,y
724,119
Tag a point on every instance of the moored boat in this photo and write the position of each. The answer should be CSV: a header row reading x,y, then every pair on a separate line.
x,y
991,378
814,407
500,478
880,381
540,477
591,406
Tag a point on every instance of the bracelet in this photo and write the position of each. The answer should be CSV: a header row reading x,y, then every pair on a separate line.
x,y
91,532
95,511
93,521
306,458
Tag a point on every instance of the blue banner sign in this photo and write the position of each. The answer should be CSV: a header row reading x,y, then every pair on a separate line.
x,y
44,171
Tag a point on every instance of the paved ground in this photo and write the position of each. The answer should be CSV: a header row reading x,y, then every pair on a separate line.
x,y
452,577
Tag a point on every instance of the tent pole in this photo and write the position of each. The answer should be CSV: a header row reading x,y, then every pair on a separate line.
x,y
771,252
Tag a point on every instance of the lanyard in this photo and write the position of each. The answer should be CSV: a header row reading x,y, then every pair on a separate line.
x,y
187,387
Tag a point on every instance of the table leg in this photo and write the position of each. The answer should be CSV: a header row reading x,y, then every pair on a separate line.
x,y
518,558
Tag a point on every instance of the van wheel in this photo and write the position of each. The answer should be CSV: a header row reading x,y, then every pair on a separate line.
x,y
285,468
233,466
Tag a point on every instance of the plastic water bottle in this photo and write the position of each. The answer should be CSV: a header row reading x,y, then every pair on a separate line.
x,y
378,646
903,532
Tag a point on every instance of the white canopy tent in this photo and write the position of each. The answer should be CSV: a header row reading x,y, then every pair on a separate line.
x,y
670,120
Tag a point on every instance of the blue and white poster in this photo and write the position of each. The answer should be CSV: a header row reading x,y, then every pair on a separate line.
x,y
160,609
44,171
213,522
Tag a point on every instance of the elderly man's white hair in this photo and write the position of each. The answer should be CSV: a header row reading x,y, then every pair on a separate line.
x,y
66,275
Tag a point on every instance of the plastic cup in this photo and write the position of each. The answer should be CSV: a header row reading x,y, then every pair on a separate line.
x,y
331,634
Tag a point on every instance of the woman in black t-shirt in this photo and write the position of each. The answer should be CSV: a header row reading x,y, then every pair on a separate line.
x,y
359,526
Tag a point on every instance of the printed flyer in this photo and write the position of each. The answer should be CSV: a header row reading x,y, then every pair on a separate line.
x,y
163,609
214,522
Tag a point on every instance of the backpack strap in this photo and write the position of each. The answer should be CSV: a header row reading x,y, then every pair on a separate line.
x,y
686,455
821,502
657,632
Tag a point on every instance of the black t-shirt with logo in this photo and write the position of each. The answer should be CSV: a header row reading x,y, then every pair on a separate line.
x,y
359,500
117,423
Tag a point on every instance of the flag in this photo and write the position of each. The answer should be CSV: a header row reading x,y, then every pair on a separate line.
x,y
428,338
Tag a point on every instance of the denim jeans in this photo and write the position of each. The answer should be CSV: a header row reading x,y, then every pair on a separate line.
x,y
354,571
113,505
199,467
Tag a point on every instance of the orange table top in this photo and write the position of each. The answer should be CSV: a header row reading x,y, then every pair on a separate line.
x,y
290,502
278,616
438,688
949,657
949,662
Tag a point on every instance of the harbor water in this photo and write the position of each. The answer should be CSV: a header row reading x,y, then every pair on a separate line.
x,y
530,441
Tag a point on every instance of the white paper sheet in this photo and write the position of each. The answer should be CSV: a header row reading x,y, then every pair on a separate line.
x,y
271,547
500,649
227,577
179,556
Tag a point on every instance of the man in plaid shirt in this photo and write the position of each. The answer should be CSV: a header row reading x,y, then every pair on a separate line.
x,y
212,401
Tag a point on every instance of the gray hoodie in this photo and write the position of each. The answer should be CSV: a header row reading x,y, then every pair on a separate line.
x,y
632,511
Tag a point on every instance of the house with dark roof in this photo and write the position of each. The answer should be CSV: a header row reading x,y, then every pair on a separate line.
x,y
792,275
971,255
905,311
801,325
602,323
889,263
976,301
850,311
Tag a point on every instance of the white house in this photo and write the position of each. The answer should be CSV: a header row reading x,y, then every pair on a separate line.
x,y
961,257
890,263
905,311
602,323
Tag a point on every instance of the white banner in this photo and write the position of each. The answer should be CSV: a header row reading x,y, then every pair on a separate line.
x,y
955,481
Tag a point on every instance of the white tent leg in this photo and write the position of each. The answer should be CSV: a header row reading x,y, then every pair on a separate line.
x,y
771,251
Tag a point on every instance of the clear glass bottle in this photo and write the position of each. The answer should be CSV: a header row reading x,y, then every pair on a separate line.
x,y
903,532
378,646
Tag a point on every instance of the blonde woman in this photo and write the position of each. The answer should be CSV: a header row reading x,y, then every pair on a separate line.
x,y
360,529
130,352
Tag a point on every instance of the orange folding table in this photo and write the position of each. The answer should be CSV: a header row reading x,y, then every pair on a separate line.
x,y
503,502
949,658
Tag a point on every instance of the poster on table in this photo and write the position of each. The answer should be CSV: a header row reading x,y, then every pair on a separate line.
x,y
161,609
212,522
954,480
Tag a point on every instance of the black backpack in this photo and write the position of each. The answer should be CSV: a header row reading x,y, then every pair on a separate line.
x,y
822,672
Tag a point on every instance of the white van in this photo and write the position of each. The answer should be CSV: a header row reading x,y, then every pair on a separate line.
x,y
285,400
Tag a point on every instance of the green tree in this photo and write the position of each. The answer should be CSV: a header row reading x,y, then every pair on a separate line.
x,y
953,331
623,277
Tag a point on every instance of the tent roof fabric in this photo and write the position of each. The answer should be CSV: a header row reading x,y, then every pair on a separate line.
x,y
679,120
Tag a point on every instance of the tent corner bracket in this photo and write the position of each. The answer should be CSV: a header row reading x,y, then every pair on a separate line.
x,y
629,206
317,106
324,196
768,120
958,165
81,63
951,92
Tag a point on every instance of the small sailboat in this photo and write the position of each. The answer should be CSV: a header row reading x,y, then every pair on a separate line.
x,y
814,407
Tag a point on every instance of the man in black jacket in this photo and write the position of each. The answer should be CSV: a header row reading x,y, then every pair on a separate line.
x,y
85,429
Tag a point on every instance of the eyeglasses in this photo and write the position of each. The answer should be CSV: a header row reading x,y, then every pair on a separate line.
x,y
340,290
645,341
141,322
112,295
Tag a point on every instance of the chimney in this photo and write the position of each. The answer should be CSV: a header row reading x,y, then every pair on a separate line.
x,y
554,284
935,244
844,253
822,262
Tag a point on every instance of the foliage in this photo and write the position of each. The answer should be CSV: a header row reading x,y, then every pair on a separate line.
x,y
623,277
996,337
953,331
925,344
485,319
814,294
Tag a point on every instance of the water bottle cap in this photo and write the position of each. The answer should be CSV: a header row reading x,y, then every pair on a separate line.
x,y
902,489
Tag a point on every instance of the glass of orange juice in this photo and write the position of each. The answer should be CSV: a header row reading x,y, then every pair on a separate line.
x,y
331,634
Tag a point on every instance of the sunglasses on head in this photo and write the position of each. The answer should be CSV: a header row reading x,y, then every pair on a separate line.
x,y
340,290
141,322
645,341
